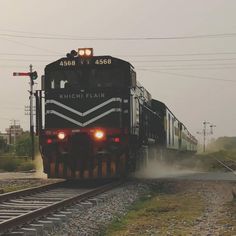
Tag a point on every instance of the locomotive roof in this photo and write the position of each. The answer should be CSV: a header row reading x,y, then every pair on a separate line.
x,y
95,60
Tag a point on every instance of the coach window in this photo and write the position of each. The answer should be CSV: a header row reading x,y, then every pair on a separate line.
x,y
169,127
133,79
173,133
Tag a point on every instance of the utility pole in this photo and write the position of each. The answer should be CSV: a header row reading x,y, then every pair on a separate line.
x,y
204,135
31,113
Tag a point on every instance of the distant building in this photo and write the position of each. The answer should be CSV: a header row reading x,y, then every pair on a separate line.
x,y
12,133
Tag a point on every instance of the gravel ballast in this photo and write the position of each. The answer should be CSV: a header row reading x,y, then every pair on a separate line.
x,y
94,216
89,219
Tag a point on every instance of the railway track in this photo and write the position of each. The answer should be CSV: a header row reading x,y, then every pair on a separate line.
x,y
226,166
21,207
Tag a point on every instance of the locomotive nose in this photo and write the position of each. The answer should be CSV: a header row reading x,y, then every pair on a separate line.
x,y
80,144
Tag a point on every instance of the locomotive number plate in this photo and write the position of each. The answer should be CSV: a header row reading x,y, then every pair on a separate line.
x,y
103,62
67,63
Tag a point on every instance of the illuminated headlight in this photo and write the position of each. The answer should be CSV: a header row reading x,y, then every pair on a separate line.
x,y
81,52
99,134
85,52
61,135
88,52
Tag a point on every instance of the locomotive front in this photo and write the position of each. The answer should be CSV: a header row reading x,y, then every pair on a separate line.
x,y
86,116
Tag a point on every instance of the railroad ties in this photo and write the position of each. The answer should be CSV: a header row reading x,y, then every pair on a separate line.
x,y
24,207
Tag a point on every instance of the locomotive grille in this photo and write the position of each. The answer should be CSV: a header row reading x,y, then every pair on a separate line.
x,y
80,143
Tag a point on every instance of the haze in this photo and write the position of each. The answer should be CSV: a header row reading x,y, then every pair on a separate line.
x,y
184,51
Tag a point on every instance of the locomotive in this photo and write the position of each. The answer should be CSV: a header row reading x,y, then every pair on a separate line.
x,y
95,120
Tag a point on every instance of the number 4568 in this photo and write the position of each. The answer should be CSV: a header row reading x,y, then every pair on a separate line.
x,y
103,61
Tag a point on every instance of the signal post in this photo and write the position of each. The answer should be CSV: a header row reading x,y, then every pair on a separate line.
x,y
33,76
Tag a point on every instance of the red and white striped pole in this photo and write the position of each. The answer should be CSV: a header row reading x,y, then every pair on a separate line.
x,y
21,73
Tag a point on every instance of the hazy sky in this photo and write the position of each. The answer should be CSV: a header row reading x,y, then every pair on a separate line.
x,y
184,51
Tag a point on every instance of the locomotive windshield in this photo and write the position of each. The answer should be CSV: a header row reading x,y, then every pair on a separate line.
x,y
85,78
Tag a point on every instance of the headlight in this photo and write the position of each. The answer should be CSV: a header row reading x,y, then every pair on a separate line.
x,y
88,52
85,52
99,135
61,135
81,52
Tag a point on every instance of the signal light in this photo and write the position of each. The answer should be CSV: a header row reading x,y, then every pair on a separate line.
x,y
33,75
61,135
99,135
49,141
85,52
116,139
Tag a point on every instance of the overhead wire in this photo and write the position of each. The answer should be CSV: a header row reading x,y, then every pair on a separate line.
x,y
139,55
193,68
29,55
189,60
199,36
28,45
179,54
190,76
66,37
190,65
7,59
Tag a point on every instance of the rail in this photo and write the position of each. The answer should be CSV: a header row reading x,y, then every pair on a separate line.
x,y
28,191
47,203
227,167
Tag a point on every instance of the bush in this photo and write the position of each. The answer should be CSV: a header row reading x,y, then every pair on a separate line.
x,y
9,163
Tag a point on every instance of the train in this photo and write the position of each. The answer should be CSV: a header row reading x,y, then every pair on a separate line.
x,y
96,121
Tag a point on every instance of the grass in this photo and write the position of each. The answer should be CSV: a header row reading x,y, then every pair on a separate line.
x,y
11,188
208,163
11,163
159,214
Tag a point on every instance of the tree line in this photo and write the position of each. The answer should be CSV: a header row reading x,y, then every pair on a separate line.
x,y
22,146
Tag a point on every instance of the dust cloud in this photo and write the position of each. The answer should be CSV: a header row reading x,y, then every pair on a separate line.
x,y
174,168
39,167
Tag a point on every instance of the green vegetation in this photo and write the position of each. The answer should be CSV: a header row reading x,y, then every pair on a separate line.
x,y
12,163
3,145
17,158
224,149
23,145
159,214
229,220
11,188
223,143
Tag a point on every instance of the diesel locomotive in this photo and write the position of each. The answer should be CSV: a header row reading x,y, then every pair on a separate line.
x,y
95,120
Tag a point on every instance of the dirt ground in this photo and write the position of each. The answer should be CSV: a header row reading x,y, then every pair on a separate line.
x,y
12,181
216,219
183,207
218,215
